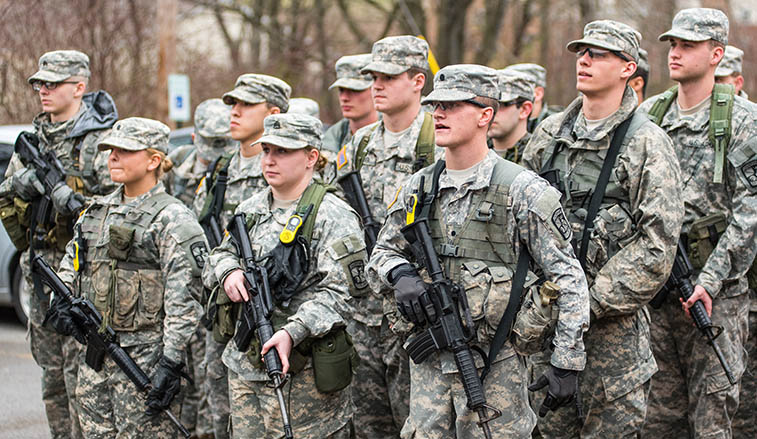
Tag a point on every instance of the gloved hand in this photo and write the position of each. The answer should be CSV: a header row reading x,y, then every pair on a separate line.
x,y
65,319
166,384
563,386
26,184
65,200
411,294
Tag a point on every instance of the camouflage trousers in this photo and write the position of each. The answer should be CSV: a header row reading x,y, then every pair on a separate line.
x,y
744,423
195,413
255,411
110,405
217,387
381,387
438,402
690,395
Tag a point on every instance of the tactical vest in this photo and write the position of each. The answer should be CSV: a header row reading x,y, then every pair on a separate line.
x,y
125,279
424,146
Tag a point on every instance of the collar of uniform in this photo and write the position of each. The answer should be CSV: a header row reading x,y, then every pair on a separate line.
x,y
236,173
480,179
627,106
673,120
403,148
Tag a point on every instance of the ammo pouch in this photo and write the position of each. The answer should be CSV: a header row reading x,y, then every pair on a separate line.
x,y
536,320
334,361
703,237
120,242
15,217
226,315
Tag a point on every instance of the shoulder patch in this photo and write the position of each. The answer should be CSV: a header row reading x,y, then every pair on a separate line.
x,y
356,270
749,172
199,252
561,224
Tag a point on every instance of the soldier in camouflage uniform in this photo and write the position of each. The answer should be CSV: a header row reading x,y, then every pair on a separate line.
x,y
354,100
691,395
526,214
139,259
538,77
729,70
633,240
253,98
317,313
70,124
508,132
639,80
390,146
305,106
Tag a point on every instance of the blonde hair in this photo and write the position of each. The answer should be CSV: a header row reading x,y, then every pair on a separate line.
x,y
165,163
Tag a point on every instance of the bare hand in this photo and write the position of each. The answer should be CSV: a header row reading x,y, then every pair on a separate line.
x,y
234,286
699,294
282,341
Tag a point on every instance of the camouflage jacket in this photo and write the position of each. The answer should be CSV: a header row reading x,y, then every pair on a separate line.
x,y
546,111
323,306
337,136
723,272
515,154
161,293
529,221
183,180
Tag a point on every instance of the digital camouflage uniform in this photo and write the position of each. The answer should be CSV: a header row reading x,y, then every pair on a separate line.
x,y
514,85
243,182
729,65
146,288
528,213
382,387
55,354
630,251
691,395
315,311
538,76
305,106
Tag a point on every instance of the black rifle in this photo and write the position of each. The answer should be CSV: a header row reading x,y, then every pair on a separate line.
x,y
256,314
209,221
352,185
447,332
679,279
99,342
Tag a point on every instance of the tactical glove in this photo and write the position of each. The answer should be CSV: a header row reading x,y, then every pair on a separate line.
x,y
65,319
166,384
65,200
563,386
27,185
411,294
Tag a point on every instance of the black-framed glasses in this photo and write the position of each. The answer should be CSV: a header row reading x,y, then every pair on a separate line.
x,y
37,85
451,105
595,53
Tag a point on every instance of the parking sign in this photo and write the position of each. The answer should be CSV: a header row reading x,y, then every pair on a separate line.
x,y
178,98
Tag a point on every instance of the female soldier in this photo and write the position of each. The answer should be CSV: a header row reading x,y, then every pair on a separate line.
x,y
138,254
311,310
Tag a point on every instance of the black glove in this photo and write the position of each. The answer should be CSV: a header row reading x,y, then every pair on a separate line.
x,y
563,386
65,319
411,293
166,384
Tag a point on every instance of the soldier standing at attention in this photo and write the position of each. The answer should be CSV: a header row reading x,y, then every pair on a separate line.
x,y
538,77
524,215
729,70
311,314
691,395
142,253
508,131
70,124
253,98
625,227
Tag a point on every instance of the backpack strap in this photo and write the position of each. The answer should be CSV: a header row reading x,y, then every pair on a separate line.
x,y
721,111
360,153
662,104
313,196
424,146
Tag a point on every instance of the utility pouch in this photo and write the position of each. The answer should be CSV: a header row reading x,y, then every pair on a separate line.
x,y
13,212
225,322
62,232
334,361
703,237
120,242
536,320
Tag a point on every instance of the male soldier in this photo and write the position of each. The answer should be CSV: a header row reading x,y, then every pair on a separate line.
x,y
691,395
354,100
538,76
640,78
524,215
626,227
254,97
729,70
508,131
70,125
385,153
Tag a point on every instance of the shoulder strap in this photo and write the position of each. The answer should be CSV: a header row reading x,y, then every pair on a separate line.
x,y
424,147
721,111
313,196
662,104
360,153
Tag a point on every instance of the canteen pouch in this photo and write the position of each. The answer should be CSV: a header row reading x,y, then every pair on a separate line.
x,y
14,214
297,358
703,237
535,322
334,361
225,322
120,242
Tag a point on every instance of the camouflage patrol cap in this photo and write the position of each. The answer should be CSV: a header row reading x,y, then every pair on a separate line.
x,y
136,134
292,131
731,62
305,106
60,65
514,85
212,133
395,55
348,72
610,35
461,82
255,88
643,63
699,24
534,72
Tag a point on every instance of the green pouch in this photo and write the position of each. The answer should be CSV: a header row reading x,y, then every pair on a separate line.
x,y
703,236
120,242
12,212
225,322
334,361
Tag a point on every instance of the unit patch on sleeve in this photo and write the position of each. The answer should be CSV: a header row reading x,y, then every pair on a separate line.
x,y
561,223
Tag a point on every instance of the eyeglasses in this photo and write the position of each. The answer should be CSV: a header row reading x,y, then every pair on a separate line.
x,y
37,85
595,53
451,105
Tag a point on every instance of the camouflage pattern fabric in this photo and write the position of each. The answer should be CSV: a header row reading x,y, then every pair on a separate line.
x,y
536,74
743,424
305,106
461,82
137,134
255,88
610,35
292,131
546,111
700,412
348,72
515,154
631,252
514,85
212,129
60,65
183,180
731,62
217,387
699,24
337,136
395,55
643,62
310,314
195,410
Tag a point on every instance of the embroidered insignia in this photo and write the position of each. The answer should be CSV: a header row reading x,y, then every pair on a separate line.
x,y
561,223
749,170
357,273
199,253
341,157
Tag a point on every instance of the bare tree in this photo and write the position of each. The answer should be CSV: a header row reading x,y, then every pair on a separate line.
x,y
495,16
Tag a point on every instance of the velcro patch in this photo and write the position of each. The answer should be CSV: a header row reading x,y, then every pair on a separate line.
x,y
749,171
561,223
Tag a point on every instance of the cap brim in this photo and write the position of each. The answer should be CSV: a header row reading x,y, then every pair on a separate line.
x,y
573,45
119,142
351,84
386,68
44,75
242,95
282,142
447,95
684,35
508,97
724,71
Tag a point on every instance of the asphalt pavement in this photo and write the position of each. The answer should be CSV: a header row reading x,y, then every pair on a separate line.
x,y
22,414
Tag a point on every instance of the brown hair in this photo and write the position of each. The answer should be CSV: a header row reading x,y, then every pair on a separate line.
x,y
165,163
321,162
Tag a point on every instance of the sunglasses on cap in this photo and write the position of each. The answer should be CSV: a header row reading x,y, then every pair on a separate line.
x,y
595,53
37,85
